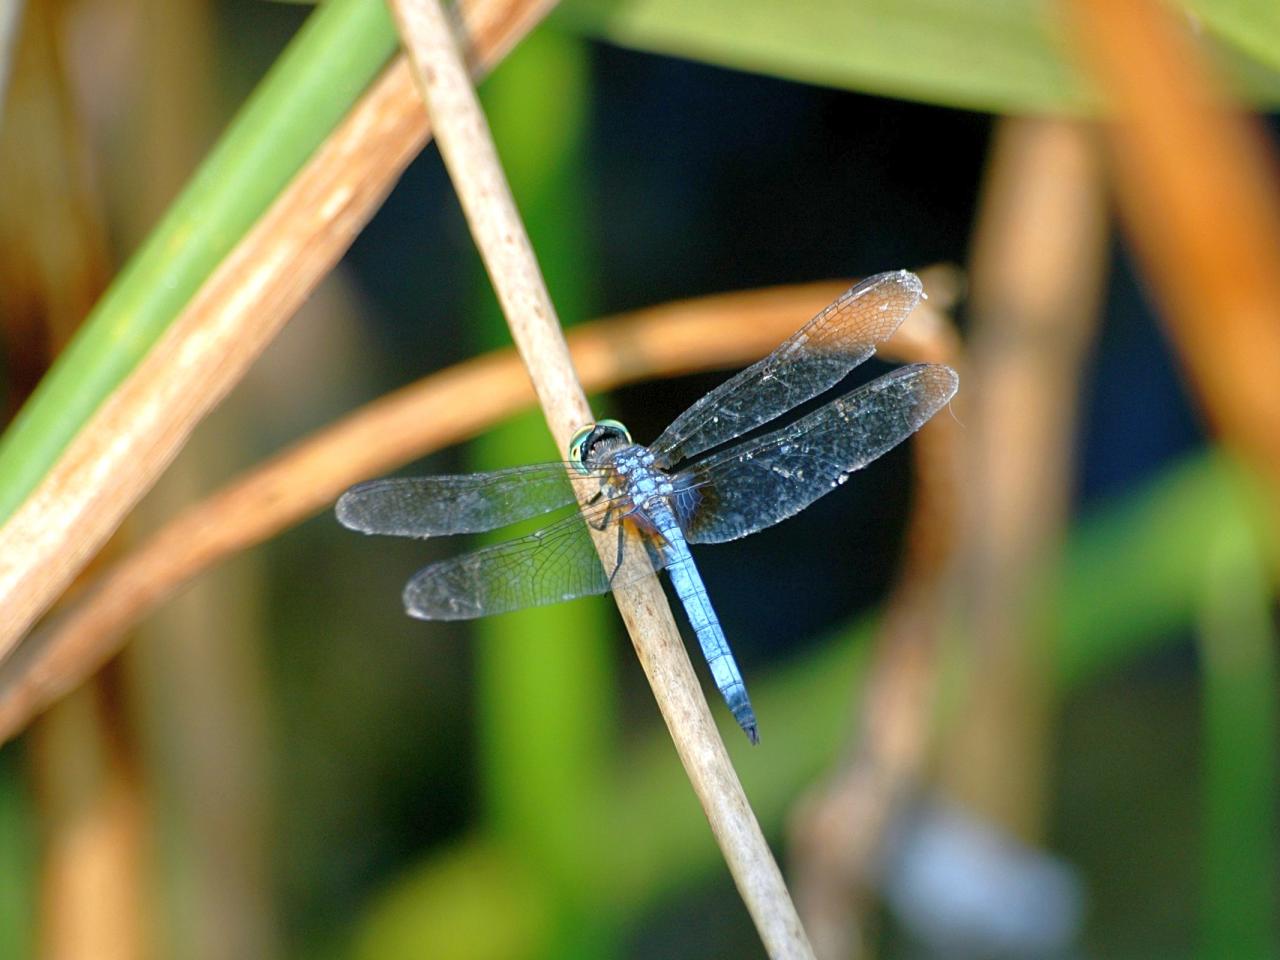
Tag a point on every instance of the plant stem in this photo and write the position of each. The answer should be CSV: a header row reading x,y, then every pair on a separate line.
x,y
313,83
467,147
133,434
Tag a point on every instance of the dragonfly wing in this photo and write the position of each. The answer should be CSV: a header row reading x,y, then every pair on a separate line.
x,y
558,562
814,359
465,503
770,478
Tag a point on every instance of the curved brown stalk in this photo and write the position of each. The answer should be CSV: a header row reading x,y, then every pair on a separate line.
x,y
706,333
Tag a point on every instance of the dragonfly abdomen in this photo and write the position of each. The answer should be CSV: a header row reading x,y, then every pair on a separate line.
x,y
702,617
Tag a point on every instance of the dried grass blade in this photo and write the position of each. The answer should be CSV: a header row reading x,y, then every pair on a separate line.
x,y
144,422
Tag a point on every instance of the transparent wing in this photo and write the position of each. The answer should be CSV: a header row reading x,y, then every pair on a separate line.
x,y
558,562
770,478
812,360
465,503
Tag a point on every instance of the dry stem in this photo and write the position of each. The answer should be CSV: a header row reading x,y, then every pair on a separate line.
x,y
1034,310
137,431
93,813
1195,180
468,151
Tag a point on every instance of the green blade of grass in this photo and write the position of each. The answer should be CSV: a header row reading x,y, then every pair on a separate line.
x,y
18,860
320,75
1240,720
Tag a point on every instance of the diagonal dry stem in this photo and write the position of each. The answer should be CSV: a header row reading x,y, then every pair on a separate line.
x,y
469,154
137,431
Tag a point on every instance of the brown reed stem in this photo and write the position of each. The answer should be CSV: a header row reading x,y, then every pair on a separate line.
x,y
1195,183
467,147
139,428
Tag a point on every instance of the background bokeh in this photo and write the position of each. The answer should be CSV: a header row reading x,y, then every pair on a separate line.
x,y
282,764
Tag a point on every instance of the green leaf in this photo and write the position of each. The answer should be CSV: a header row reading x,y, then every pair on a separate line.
x,y
308,90
1253,26
1240,717
19,860
473,902
1004,56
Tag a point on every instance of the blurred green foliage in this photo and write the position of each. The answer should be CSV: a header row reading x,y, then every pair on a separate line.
x,y
473,901
1002,56
1238,643
1251,25
18,878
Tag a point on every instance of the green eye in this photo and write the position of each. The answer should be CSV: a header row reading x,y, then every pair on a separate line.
x,y
584,439
576,447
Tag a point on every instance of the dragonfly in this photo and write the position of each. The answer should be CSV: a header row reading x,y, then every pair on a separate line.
x,y
693,485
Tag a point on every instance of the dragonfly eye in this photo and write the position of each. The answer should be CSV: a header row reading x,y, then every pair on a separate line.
x,y
584,441
577,447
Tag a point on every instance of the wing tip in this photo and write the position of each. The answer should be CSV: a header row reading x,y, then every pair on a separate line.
x,y
948,375
883,301
349,511
906,279
345,512
944,383
426,597
412,596
411,599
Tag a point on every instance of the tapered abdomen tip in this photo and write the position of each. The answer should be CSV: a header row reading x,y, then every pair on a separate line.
x,y
746,718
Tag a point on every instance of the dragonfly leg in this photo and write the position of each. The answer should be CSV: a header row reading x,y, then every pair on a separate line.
x,y
617,557
604,521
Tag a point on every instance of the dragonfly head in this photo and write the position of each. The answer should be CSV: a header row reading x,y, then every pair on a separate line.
x,y
592,441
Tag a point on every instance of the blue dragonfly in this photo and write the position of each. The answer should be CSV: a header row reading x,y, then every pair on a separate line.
x,y
686,487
